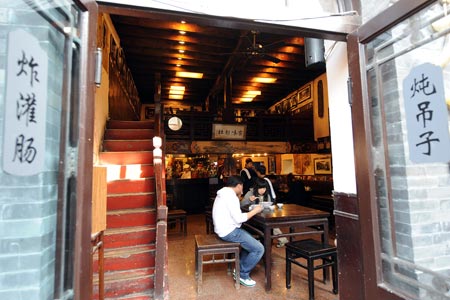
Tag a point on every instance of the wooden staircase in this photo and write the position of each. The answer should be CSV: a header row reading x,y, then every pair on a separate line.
x,y
129,240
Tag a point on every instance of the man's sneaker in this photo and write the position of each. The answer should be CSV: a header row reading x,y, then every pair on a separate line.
x,y
247,282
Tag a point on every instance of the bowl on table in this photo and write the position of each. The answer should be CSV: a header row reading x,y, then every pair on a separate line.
x,y
266,204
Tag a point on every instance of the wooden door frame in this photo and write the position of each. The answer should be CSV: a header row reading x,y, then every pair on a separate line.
x,y
369,240
82,255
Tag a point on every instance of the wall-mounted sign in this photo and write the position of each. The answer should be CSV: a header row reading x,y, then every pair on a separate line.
x,y
25,105
426,115
229,132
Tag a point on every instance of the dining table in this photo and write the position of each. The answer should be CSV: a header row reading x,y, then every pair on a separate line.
x,y
296,220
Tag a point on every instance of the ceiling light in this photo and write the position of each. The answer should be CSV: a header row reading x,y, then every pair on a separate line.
x,y
183,22
179,58
176,90
264,79
253,93
178,87
181,42
189,75
178,65
182,32
176,97
181,51
246,99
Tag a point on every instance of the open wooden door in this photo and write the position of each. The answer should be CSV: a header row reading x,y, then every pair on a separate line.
x,y
399,66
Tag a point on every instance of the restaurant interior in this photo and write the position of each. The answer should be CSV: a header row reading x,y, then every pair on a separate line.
x,y
262,94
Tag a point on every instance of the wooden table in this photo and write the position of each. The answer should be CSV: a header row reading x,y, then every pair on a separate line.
x,y
301,220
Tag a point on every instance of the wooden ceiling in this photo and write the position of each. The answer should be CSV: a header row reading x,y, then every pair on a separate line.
x,y
229,59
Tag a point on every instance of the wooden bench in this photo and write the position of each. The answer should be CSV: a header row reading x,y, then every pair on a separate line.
x,y
178,216
220,252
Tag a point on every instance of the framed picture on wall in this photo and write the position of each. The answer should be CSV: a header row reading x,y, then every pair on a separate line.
x,y
272,165
322,165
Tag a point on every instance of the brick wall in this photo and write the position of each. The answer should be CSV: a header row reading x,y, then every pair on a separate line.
x,y
28,204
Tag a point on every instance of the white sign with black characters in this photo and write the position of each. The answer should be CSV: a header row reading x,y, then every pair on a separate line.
x,y
25,105
426,115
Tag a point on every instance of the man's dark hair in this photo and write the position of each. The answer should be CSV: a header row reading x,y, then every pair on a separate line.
x,y
233,181
262,169
248,160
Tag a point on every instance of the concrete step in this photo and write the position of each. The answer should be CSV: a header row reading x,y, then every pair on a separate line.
x,y
130,217
127,145
129,236
126,186
126,157
129,134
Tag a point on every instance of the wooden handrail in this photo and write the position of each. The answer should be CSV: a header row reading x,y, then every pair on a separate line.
x,y
161,288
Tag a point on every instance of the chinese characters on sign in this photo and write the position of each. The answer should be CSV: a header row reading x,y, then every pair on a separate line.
x,y
25,105
228,132
426,115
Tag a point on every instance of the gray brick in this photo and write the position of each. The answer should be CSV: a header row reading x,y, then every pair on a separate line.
x,y
26,245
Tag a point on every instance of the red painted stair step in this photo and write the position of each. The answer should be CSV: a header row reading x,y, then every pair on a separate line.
x,y
129,258
119,124
127,284
130,217
129,236
130,200
126,157
124,186
128,145
129,134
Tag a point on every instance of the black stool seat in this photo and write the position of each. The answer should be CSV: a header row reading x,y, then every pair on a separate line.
x,y
175,216
311,250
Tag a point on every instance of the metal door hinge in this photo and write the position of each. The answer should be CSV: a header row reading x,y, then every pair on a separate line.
x,y
98,67
349,90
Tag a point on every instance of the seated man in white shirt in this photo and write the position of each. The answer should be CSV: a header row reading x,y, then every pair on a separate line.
x,y
228,218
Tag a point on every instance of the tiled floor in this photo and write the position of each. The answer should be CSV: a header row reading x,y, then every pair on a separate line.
x,y
220,286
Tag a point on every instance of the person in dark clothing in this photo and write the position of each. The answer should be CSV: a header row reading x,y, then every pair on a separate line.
x,y
248,175
297,193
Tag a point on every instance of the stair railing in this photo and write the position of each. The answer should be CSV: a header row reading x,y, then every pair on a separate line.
x,y
161,289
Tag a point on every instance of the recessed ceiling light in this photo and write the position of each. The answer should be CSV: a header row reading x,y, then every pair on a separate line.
x,y
179,58
175,97
183,22
178,65
181,42
182,32
181,51
189,75
264,79
253,93
246,99
177,88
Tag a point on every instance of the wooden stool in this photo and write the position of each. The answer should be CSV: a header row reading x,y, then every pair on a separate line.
x,y
311,250
211,244
178,216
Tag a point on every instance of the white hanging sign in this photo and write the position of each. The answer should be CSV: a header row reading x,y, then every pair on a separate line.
x,y
426,115
25,105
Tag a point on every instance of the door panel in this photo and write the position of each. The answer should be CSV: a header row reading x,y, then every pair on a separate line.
x,y
403,203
